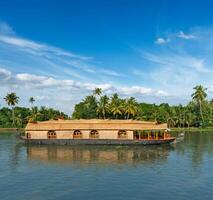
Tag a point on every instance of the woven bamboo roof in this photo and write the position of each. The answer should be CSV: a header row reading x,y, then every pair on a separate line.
x,y
94,124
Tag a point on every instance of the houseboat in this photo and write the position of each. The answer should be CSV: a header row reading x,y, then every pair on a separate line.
x,y
100,132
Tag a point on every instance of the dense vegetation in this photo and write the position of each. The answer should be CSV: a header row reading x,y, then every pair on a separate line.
x,y
198,112
19,116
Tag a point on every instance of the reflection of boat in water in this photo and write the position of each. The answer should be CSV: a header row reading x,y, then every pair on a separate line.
x,y
99,132
181,134
97,154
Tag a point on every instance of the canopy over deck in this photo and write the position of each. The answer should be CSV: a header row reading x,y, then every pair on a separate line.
x,y
94,124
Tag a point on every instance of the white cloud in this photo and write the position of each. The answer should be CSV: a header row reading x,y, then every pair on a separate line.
x,y
111,72
65,92
179,60
136,90
29,77
180,65
161,41
53,58
37,48
4,74
185,36
32,81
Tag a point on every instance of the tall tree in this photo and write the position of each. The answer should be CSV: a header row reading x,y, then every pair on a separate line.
x,y
130,107
199,97
115,105
86,109
11,100
103,106
31,100
97,92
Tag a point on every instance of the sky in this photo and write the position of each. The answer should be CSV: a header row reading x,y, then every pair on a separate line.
x,y
60,51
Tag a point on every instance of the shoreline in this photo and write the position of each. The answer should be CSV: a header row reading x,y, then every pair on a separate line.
x,y
10,130
192,129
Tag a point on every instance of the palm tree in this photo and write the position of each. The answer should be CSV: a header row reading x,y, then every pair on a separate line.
x,y
130,107
170,122
19,120
116,110
35,114
31,100
170,117
97,92
199,97
116,105
11,100
103,106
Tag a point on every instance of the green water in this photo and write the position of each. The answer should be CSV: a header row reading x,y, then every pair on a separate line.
x,y
180,171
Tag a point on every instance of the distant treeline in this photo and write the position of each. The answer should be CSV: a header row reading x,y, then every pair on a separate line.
x,y
23,115
198,112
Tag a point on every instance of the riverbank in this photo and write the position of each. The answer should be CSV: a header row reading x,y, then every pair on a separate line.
x,y
11,130
192,129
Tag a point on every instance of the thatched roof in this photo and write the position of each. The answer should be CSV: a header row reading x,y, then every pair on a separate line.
x,y
94,124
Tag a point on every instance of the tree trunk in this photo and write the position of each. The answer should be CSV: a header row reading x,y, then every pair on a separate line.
x,y
13,116
201,113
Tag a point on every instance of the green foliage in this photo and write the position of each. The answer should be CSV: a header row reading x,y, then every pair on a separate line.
x,y
11,99
86,109
23,115
197,113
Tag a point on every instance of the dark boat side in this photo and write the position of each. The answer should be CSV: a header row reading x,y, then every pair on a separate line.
x,y
99,142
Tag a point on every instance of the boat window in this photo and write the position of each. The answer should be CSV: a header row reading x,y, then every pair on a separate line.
x,y
144,135
136,135
160,135
77,134
122,134
51,134
94,134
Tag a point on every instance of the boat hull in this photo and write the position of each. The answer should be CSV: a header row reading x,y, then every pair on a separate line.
x,y
98,141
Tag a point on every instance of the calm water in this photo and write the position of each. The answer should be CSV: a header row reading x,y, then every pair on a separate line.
x,y
180,171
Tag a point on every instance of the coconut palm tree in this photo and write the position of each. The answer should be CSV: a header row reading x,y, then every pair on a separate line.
x,y
19,120
116,110
11,100
170,122
199,97
34,115
103,106
130,107
97,92
31,100
116,107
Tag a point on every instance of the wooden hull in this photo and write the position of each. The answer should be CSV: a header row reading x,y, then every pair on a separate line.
x,y
98,141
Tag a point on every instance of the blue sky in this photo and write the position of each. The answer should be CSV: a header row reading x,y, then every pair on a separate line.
x,y
59,51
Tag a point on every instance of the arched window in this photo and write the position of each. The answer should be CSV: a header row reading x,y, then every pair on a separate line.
x,y
51,134
122,134
77,134
94,134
